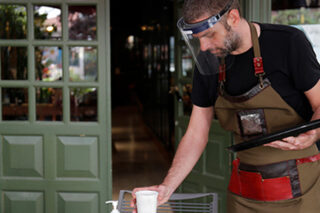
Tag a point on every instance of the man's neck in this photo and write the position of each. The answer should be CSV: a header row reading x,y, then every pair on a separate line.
x,y
243,30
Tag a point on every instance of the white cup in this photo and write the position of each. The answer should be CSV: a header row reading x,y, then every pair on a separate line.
x,y
147,201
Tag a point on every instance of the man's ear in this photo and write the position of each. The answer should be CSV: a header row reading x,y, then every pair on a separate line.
x,y
233,17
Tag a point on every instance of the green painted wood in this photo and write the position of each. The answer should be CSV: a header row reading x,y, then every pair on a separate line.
x,y
254,10
213,170
62,166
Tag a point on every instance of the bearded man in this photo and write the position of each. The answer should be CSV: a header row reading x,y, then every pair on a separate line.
x,y
257,79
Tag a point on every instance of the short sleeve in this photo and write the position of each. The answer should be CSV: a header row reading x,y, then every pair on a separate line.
x,y
303,62
204,89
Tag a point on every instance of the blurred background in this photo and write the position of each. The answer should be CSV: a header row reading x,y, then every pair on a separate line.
x,y
96,96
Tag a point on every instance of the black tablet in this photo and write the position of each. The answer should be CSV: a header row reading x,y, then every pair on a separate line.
x,y
275,136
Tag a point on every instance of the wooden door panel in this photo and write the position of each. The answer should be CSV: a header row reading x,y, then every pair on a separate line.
x,y
77,157
55,115
26,202
212,171
22,156
77,202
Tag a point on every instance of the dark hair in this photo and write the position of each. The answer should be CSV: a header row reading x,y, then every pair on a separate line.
x,y
194,9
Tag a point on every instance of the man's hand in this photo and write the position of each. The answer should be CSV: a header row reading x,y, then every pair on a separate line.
x,y
163,196
188,153
302,141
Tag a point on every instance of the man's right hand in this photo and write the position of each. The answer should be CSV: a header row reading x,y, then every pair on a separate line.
x,y
188,153
163,196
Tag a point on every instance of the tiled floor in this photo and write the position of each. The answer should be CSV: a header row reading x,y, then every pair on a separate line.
x,y
138,157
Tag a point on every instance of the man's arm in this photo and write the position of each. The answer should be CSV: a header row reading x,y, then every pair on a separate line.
x,y
304,140
188,153
190,148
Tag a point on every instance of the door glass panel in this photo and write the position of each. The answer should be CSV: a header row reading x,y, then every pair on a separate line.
x,y
82,22
14,103
186,99
13,21
147,57
83,64
187,63
83,103
48,63
47,22
14,63
172,54
156,57
49,104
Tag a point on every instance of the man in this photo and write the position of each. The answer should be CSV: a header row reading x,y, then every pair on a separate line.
x,y
268,80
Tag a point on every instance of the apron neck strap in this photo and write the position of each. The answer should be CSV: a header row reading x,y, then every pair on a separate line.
x,y
254,40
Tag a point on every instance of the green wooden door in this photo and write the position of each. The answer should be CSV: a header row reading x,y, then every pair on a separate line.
x,y
55,143
212,172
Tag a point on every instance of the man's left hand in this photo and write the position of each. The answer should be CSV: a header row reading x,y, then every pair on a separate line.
x,y
302,141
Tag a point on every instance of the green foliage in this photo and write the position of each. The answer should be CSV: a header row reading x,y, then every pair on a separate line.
x,y
38,25
13,21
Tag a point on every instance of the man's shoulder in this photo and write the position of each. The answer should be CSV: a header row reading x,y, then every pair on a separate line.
x,y
280,31
279,28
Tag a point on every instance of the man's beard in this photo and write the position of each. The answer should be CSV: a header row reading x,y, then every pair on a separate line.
x,y
230,44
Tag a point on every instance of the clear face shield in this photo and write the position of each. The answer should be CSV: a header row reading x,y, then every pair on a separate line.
x,y
206,62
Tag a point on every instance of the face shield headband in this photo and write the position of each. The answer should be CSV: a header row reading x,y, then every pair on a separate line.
x,y
205,61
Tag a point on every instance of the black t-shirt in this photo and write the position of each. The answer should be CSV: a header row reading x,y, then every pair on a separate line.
x,y
289,63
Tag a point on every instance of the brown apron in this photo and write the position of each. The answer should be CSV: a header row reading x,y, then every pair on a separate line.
x,y
259,111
